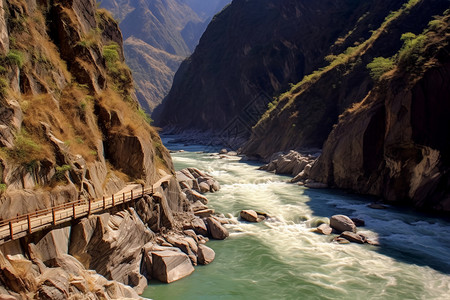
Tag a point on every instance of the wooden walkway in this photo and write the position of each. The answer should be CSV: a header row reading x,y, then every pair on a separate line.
x,y
23,225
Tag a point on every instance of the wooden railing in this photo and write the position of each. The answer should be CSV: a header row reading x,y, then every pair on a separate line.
x,y
23,225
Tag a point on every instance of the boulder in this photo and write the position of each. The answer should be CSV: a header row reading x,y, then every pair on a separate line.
x,y
199,226
342,223
249,215
324,229
223,151
169,266
352,237
205,255
204,187
358,222
204,213
195,196
216,230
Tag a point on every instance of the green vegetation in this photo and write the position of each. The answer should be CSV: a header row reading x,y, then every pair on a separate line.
x,y
379,66
60,173
119,72
25,151
145,116
91,38
111,55
15,57
409,54
3,188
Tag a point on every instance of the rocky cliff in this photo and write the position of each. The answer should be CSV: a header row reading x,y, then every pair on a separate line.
x,y
71,128
70,124
158,35
303,117
395,143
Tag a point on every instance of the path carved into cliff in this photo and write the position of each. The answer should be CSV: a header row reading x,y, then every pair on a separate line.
x,y
24,225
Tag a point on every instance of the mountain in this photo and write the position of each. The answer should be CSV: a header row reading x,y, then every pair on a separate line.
x,y
250,53
158,35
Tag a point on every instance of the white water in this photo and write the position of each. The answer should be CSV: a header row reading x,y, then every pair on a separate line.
x,y
283,259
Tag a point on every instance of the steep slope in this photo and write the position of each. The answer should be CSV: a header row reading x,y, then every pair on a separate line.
x,y
303,117
395,143
158,35
70,123
253,50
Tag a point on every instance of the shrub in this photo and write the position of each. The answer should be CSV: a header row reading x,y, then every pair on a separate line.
x,y
145,116
15,57
2,188
61,171
410,53
111,54
379,66
25,151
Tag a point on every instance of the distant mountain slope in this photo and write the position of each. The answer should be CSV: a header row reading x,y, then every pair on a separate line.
x,y
168,30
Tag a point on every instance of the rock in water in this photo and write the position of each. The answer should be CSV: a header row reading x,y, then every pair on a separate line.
x,y
324,229
205,255
342,223
359,222
169,266
249,215
216,230
352,237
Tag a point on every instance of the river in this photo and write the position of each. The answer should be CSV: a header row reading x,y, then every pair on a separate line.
x,y
283,259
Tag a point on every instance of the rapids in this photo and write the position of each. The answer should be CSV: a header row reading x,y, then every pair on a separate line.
x,y
282,259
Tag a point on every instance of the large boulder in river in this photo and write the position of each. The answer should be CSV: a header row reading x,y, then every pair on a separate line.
x,y
216,230
249,215
205,255
342,223
169,266
199,226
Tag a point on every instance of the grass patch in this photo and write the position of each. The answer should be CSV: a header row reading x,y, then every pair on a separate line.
x,y
379,66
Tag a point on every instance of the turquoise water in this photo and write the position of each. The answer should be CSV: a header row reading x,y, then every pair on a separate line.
x,y
283,259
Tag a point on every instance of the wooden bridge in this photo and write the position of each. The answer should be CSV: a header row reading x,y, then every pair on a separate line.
x,y
23,225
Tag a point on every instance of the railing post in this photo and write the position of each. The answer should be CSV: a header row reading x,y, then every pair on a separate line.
x,y
89,206
132,195
73,211
54,216
104,203
11,231
142,191
113,200
123,197
29,224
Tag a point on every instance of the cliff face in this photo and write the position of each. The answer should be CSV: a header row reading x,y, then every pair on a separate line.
x,y
303,117
253,50
395,143
158,35
70,124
